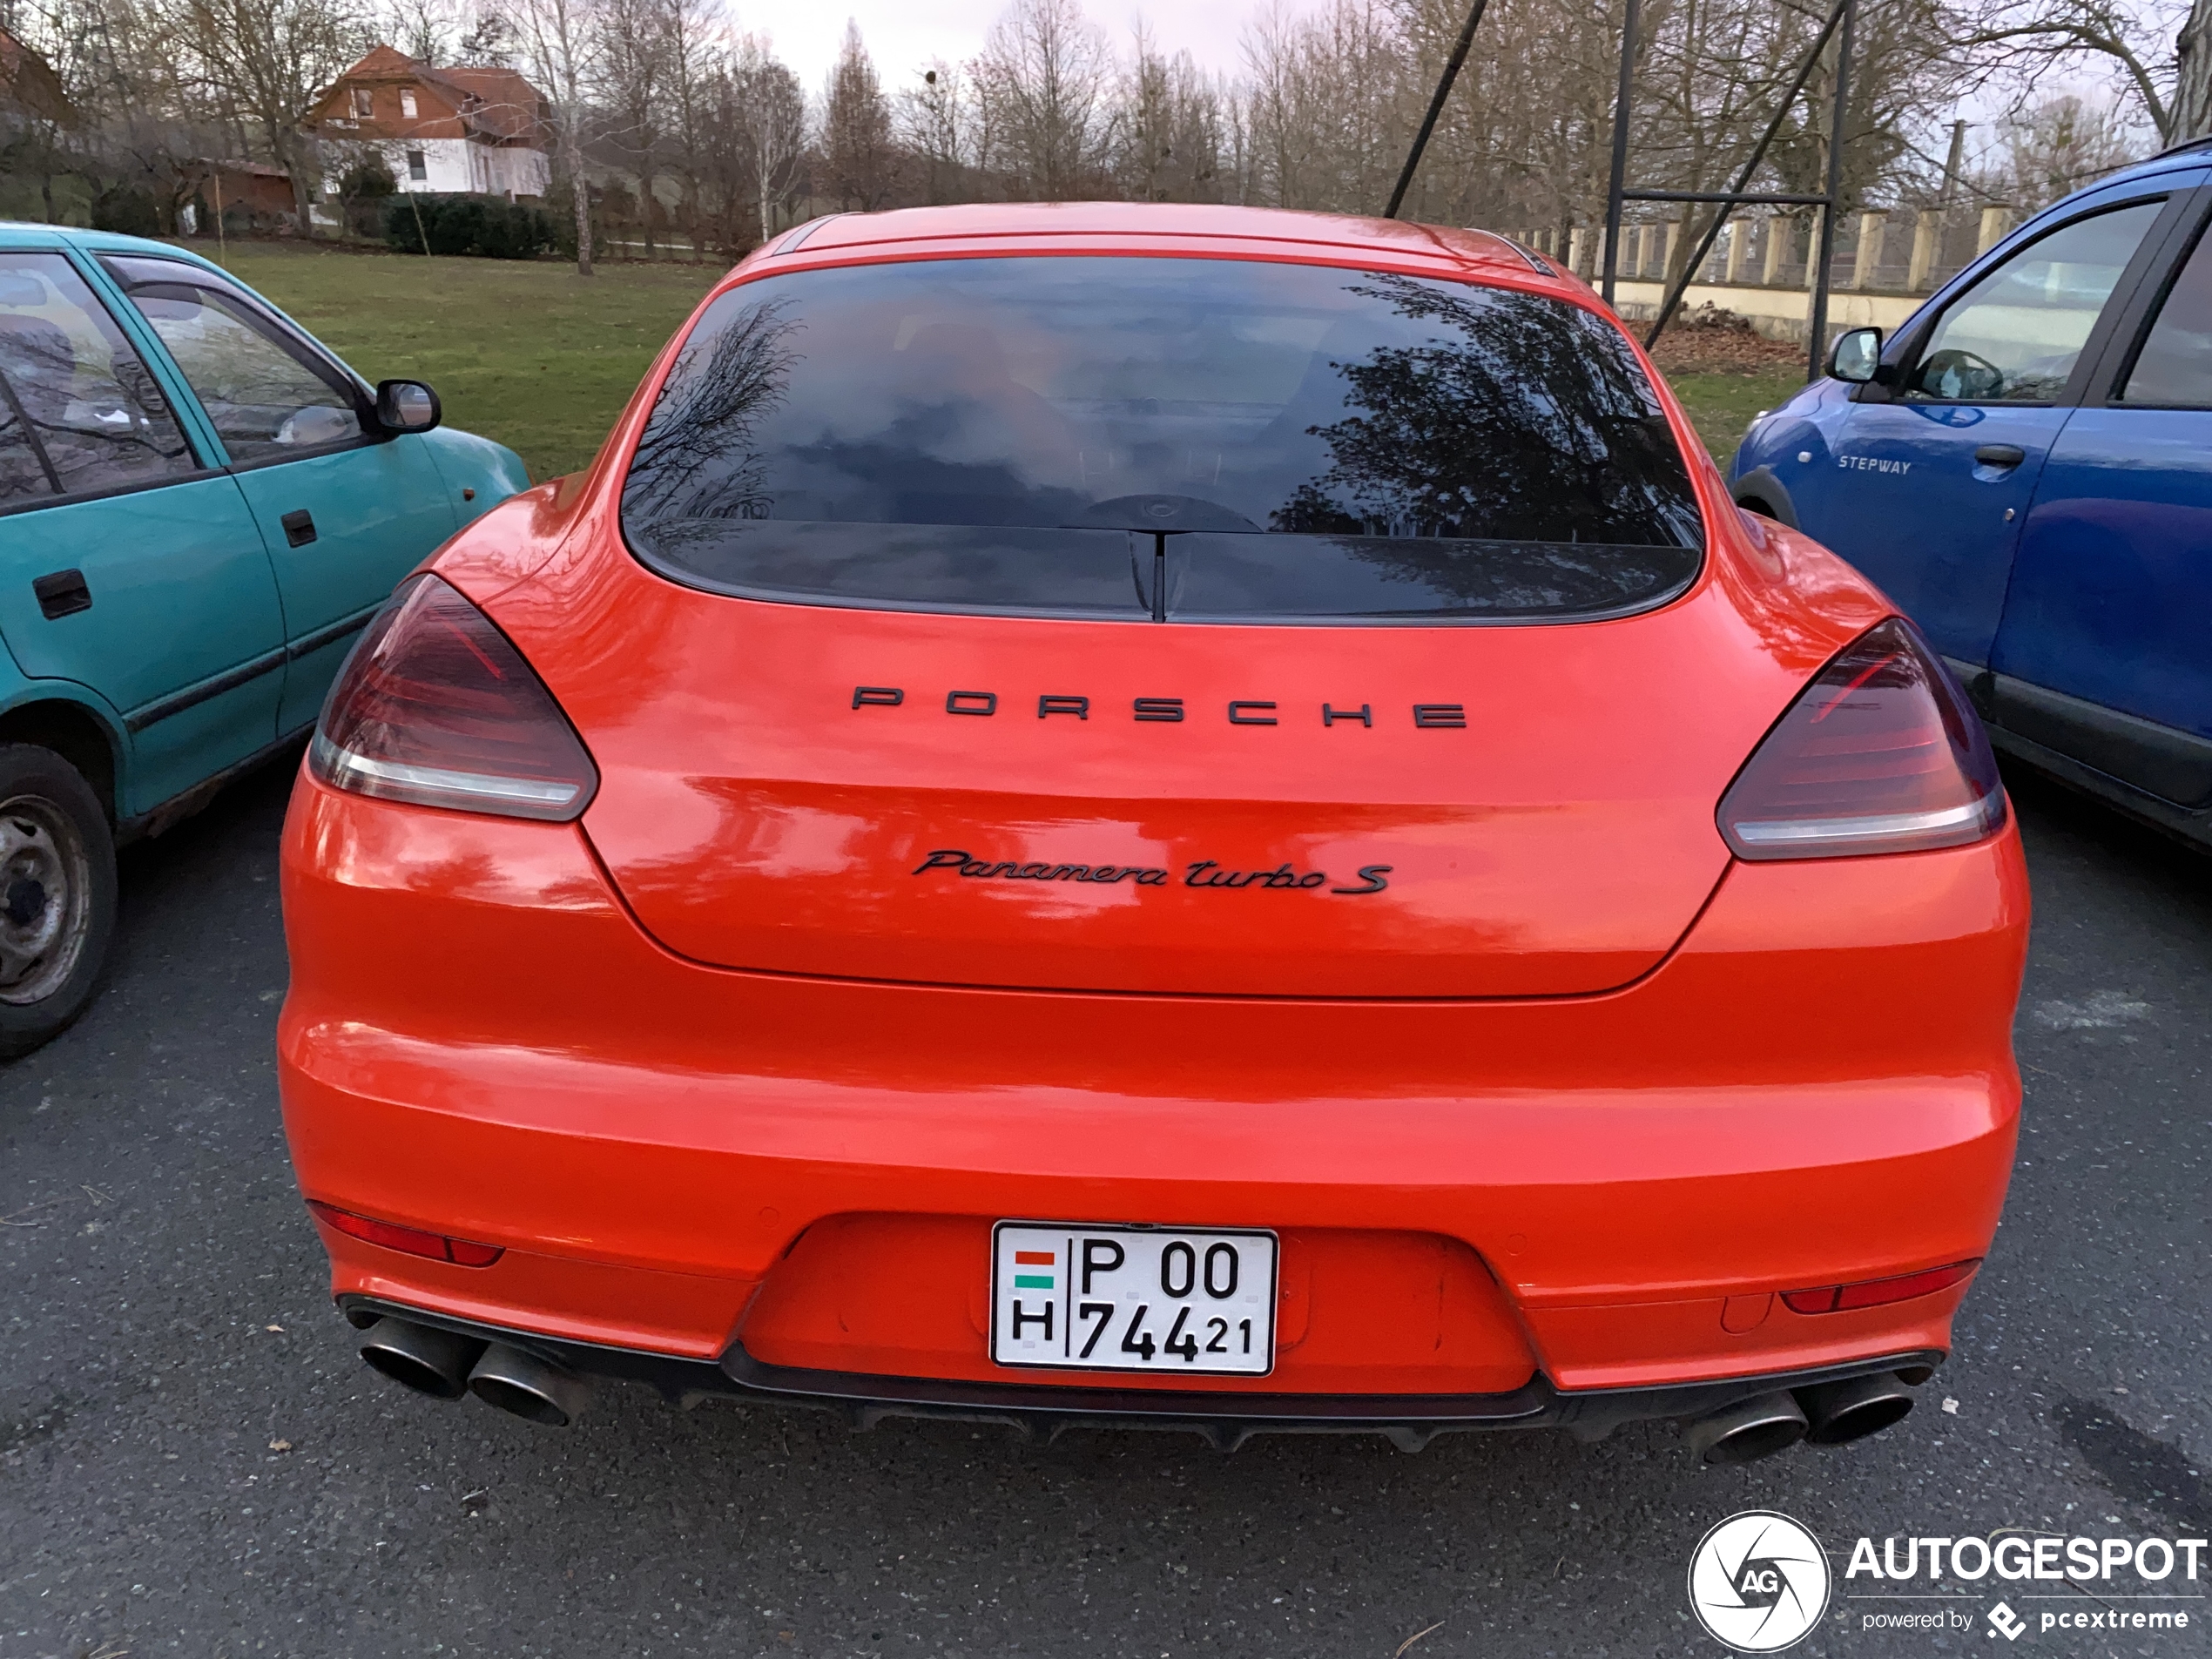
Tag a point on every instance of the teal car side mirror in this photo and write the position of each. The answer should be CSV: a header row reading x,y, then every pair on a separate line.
x,y
407,406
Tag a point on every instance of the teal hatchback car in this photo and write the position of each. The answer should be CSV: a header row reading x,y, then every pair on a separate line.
x,y
199,509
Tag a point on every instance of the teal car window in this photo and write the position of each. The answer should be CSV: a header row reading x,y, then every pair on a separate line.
x,y
80,413
268,400
2014,336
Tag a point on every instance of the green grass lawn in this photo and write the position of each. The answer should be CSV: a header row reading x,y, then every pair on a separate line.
x,y
528,353
1722,405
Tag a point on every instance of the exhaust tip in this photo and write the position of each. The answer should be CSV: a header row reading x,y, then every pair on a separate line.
x,y
1748,1430
1839,1413
426,1360
515,1382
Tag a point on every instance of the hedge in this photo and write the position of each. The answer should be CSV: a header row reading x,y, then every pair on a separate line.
x,y
488,226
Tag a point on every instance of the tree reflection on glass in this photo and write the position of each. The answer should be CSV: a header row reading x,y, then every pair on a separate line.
x,y
1519,418
701,456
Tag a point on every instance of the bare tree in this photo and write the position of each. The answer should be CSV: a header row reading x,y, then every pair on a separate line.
x,y
2191,115
932,122
859,163
775,114
488,42
2021,40
1169,135
2051,148
555,39
691,32
270,61
631,60
421,28
1045,79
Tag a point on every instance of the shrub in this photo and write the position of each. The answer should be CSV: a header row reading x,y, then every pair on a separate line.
x,y
126,211
487,227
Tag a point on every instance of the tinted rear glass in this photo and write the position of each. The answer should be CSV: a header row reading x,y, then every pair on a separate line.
x,y
1171,439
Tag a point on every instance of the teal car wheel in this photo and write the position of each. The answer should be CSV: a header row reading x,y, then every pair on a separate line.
x,y
58,895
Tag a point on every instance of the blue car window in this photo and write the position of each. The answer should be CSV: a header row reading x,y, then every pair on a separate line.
x,y
2174,366
268,399
78,410
2014,336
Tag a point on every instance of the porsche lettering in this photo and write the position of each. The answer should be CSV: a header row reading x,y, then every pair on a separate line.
x,y
1428,717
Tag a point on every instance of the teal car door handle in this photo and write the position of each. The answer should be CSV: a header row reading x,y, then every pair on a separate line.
x,y
299,527
63,593
2000,455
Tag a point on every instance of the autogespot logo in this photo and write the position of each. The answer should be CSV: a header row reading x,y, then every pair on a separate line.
x,y
1758,1581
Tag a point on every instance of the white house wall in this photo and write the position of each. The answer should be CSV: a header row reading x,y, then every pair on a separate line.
x,y
458,166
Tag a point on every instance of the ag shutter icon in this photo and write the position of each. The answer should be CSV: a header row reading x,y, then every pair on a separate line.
x,y
1759,1581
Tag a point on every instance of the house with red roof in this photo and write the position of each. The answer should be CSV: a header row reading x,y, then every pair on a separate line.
x,y
29,85
475,130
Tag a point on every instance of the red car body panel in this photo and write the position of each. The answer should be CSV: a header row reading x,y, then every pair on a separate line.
x,y
1576,1095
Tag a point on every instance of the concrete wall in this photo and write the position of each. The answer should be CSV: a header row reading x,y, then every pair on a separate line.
x,y
1779,314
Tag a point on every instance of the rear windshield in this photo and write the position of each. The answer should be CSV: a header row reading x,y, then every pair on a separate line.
x,y
1163,439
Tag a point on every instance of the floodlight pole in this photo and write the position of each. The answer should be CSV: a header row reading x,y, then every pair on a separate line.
x,y
1737,192
1618,180
1843,15
1436,106
1817,325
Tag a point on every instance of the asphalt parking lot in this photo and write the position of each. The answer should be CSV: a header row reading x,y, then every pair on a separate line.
x,y
192,1460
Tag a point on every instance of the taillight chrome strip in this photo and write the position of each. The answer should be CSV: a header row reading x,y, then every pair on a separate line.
x,y
347,770
1801,832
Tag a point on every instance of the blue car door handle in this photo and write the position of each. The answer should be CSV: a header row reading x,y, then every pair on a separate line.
x,y
2000,455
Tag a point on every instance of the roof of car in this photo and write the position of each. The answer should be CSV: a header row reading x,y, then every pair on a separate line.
x,y
25,233
2197,153
1137,222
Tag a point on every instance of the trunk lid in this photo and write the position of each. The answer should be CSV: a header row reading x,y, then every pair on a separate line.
x,y
976,801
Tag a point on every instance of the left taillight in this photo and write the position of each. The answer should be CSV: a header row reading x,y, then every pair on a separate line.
x,y
436,708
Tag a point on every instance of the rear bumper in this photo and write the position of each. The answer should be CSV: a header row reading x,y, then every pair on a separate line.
x,y
1409,1420
781,1178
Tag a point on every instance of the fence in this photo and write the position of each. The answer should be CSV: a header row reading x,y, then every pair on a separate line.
x,y
1762,266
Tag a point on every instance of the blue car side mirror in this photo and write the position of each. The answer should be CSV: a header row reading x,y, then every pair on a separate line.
x,y
1857,356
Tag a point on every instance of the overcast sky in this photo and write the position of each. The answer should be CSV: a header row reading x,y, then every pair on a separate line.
x,y
902,36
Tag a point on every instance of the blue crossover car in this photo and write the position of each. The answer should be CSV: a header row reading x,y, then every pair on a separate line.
x,y
2026,466
199,509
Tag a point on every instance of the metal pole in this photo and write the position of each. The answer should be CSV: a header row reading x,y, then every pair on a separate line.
x,y
1435,107
1817,325
1619,179
1744,177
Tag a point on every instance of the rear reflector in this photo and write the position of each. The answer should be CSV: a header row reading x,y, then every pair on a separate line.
x,y
1878,1292
1881,753
436,708
413,1240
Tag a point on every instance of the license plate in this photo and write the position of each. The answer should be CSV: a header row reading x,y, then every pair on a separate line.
x,y
1159,1299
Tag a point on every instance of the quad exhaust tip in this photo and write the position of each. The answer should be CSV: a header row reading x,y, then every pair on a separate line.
x,y
1839,1413
1826,1414
446,1366
1748,1430
426,1360
515,1382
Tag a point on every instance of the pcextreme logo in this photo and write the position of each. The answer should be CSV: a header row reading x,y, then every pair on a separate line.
x,y
1758,1581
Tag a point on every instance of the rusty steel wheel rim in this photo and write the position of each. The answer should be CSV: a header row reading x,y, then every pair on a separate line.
x,y
45,899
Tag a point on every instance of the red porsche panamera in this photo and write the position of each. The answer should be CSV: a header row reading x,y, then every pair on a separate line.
x,y
1160,815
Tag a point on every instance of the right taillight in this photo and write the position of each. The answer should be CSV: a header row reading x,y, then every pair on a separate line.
x,y
1881,753
435,707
